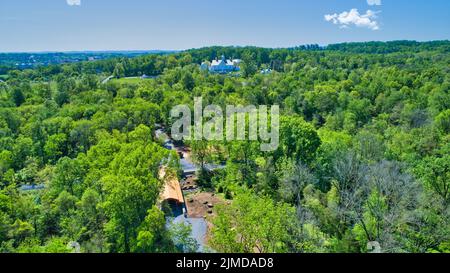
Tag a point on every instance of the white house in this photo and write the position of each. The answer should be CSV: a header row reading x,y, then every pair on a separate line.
x,y
222,66
205,66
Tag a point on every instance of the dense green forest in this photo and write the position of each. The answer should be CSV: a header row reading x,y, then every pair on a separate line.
x,y
364,151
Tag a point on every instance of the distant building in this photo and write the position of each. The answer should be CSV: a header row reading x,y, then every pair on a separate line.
x,y
222,66
148,77
32,187
266,71
205,66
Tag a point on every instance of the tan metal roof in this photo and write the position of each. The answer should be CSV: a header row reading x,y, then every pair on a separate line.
x,y
172,188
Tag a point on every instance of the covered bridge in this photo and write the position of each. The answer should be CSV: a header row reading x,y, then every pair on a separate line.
x,y
172,192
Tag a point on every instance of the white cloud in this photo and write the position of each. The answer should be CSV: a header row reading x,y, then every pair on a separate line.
x,y
353,17
374,2
73,2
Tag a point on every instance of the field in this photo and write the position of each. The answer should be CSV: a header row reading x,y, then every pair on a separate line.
x,y
130,80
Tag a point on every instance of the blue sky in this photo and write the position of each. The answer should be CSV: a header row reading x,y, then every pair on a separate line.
x,y
65,25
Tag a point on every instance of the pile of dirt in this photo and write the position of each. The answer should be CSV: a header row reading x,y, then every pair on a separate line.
x,y
202,204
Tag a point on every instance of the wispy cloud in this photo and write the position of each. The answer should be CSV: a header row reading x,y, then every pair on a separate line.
x,y
374,2
73,2
353,17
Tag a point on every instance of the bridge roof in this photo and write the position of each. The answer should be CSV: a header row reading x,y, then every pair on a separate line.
x,y
172,188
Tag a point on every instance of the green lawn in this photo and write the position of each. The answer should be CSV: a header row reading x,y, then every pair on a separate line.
x,y
129,80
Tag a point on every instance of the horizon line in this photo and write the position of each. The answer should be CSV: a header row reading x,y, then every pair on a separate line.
x,y
209,46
